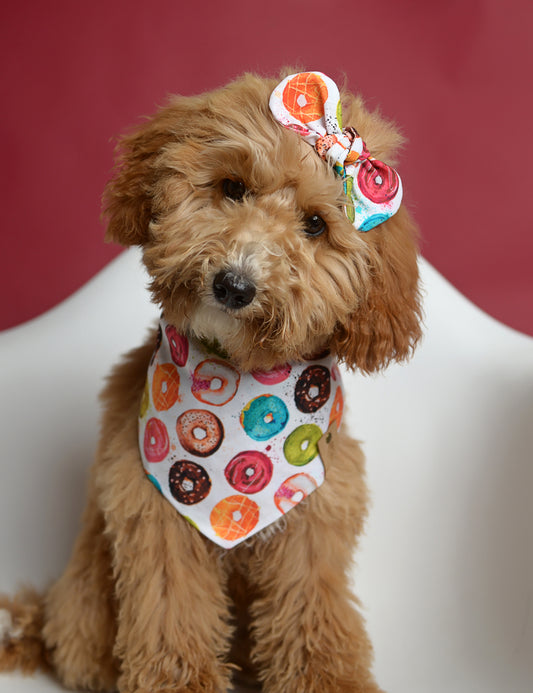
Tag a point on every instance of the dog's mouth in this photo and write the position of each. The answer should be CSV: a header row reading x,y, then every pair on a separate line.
x,y
225,305
254,303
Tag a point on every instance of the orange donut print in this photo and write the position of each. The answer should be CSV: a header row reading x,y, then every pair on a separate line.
x,y
165,386
234,517
336,409
304,96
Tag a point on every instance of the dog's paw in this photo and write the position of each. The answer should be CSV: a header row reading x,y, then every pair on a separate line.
x,y
9,630
180,679
319,683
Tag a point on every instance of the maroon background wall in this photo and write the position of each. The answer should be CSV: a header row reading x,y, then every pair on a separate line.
x,y
455,75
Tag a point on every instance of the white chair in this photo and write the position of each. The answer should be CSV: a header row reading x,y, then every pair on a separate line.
x,y
445,570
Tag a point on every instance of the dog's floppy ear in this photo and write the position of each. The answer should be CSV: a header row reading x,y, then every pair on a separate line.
x,y
127,199
386,325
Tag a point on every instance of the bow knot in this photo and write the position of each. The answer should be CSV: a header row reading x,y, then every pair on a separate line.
x,y
343,149
309,104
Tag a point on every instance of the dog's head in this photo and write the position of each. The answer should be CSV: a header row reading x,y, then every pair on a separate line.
x,y
245,236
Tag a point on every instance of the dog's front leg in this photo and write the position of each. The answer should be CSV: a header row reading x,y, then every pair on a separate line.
x,y
308,635
80,621
173,630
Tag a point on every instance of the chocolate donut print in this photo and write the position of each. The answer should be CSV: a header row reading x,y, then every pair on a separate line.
x,y
189,483
199,431
312,389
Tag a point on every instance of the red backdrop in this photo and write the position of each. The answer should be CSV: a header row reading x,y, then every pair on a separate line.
x,y
455,75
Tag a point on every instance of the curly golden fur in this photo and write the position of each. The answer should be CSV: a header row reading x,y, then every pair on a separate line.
x,y
147,604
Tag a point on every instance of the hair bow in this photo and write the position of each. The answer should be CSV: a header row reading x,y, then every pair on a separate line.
x,y
309,103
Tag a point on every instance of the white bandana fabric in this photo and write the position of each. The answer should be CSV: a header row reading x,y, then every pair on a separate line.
x,y
233,452
309,103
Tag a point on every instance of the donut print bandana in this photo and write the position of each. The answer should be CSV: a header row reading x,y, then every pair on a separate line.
x,y
233,452
309,103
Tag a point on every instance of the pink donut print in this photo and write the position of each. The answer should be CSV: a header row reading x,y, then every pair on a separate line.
x,y
293,490
179,346
249,471
156,443
377,181
274,376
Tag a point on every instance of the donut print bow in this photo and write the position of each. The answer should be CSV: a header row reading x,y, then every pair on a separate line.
x,y
309,103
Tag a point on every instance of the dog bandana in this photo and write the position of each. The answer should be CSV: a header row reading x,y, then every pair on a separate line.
x,y
309,103
233,452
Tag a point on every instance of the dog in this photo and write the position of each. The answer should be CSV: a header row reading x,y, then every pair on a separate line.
x,y
268,273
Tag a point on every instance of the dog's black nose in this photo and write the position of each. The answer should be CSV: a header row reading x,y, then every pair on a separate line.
x,y
233,290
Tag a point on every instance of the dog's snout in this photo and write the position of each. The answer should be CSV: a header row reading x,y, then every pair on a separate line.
x,y
233,290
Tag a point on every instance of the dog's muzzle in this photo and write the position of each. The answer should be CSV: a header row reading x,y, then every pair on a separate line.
x,y
233,290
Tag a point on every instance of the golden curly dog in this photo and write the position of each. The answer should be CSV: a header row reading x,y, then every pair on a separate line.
x,y
247,243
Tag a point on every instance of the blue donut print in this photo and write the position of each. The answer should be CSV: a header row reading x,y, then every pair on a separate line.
x,y
374,220
264,417
155,482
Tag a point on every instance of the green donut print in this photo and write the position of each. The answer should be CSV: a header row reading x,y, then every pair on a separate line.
x,y
339,114
301,445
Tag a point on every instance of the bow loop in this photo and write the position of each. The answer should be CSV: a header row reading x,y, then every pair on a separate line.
x,y
309,103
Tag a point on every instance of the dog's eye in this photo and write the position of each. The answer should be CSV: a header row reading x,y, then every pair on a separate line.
x,y
314,225
234,189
